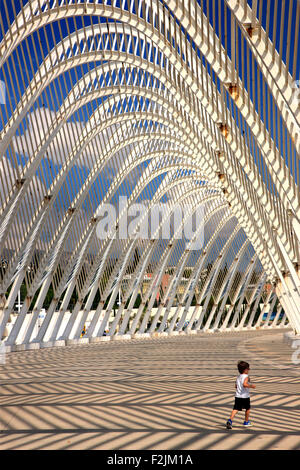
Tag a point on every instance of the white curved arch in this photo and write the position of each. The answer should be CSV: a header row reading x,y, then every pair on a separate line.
x,y
74,152
268,154
270,211
156,81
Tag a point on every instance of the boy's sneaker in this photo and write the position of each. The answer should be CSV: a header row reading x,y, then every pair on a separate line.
x,y
247,424
229,424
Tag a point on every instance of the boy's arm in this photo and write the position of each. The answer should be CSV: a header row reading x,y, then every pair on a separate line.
x,y
246,383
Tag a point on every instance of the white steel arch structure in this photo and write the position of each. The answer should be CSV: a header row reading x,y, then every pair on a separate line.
x,y
185,104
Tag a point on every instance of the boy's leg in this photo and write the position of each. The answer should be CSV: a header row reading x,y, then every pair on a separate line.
x,y
229,421
234,412
236,407
247,415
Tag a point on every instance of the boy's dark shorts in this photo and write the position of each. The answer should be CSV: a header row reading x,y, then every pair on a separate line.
x,y
241,404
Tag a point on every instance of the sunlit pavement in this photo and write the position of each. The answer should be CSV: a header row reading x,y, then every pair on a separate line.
x,y
163,393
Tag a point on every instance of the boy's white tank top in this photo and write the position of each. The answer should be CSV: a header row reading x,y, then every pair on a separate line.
x,y
241,391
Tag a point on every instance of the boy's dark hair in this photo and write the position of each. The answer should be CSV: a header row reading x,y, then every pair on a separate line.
x,y
242,365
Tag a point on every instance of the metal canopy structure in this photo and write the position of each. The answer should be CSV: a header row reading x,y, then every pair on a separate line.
x,y
114,105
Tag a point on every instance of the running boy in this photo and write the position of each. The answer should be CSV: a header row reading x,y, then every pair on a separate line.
x,y
242,395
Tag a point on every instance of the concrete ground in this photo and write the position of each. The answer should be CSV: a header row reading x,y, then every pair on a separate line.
x,y
163,393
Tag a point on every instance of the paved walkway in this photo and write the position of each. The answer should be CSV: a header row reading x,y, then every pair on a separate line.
x,y
167,393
